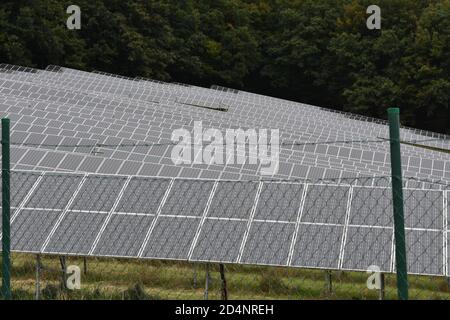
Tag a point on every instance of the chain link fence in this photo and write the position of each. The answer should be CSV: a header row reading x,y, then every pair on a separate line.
x,y
87,236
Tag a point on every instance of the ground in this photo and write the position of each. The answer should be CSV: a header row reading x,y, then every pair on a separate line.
x,y
149,279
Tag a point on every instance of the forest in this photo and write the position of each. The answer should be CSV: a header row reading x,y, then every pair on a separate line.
x,y
312,51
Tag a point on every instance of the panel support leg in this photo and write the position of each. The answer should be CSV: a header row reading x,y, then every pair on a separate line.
x,y
195,280
382,287
84,265
224,282
62,261
38,277
205,296
329,281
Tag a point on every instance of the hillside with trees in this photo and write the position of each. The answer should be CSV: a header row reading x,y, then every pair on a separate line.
x,y
313,51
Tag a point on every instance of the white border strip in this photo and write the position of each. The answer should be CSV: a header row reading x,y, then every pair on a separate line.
x,y
249,222
393,250
202,221
297,224
445,230
346,223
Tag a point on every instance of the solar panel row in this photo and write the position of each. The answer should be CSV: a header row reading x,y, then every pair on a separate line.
x,y
271,223
54,135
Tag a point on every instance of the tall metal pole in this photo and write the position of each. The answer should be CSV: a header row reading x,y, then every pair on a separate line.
x,y
6,246
397,193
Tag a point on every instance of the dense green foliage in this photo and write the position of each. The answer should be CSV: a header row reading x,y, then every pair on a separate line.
x,y
313,51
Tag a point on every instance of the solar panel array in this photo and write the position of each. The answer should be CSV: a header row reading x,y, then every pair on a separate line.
x,y
343,227
71,107
121,194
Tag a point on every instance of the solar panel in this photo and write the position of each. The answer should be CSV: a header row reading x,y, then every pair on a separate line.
x,y
424,252
31,228
323,200
188,198
268,243
279,202
371,207
423,209
172,238
98,193
317,246
53,191
75,233
365,247
142,196
123,235
233,200
219,241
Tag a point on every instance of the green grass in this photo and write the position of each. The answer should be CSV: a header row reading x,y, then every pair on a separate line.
x,y
149,279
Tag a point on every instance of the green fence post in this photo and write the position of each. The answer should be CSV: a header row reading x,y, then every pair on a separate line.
x,y
6,278
397,193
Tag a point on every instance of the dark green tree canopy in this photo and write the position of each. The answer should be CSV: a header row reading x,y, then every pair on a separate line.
x,y
313,51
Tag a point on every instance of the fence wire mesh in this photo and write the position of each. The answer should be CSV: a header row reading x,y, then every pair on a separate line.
x,y
87,236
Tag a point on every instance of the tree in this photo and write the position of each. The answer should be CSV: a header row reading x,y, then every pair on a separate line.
x,y
313,51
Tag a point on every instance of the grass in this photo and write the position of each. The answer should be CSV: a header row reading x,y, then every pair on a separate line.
x,y
153,280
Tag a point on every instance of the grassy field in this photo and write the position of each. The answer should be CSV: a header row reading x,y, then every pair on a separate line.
x,y
145,279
